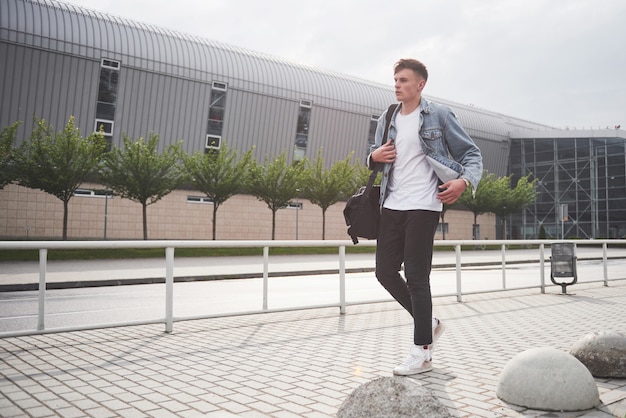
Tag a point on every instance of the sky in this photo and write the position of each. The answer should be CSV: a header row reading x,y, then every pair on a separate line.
x,y
557,62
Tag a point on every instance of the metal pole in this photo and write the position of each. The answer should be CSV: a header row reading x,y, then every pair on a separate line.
x,y
542,271
106,210
41,317
605,263
342,279
457,250
266,257
169,289
503,266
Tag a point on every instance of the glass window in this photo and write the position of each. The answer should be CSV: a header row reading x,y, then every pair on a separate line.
x,y
199,199
213,142
615,164
582,147
301,141
614,147
303,121
215,123
529,152
544,150
216,113
107,90
566,149
371,136
302,130
105,110
214,127
616,187
107,96
218,99
544,173
567,170
584,184
105,125
515,154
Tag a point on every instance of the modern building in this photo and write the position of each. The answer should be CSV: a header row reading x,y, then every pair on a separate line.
x,y
581,178
59,60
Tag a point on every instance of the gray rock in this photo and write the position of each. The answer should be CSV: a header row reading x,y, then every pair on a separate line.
x,y
547,379
392,397
604,353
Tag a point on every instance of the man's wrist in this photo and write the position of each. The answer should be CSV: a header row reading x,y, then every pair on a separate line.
x,y
467,183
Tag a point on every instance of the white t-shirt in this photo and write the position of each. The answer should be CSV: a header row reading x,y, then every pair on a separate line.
x,y
413,182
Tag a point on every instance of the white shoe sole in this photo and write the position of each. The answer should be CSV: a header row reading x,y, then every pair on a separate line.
x,y
426,367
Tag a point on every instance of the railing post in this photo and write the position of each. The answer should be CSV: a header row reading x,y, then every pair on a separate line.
x,y
41,315
606,264
169,289
459,293
266,261
542,269
503,267
342,279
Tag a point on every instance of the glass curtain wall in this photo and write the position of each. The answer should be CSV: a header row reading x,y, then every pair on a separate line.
x,y
581,185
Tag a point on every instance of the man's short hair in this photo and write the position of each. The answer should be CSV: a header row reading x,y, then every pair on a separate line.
x,y
411,64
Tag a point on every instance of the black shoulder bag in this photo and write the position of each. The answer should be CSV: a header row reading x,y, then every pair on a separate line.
x,y
362,211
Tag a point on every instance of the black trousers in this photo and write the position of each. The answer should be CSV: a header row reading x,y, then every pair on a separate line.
x,y
407,237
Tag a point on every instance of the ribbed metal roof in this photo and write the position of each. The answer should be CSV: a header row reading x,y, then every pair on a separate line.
x,y
67,28
70,29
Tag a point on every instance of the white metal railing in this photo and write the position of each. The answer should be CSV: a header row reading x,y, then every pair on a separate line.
x,y
171,245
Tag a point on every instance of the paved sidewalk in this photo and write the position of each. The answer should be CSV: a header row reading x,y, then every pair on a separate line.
x,y
301,363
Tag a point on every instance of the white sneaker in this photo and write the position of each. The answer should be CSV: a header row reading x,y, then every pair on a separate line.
x,y
418,361
437,331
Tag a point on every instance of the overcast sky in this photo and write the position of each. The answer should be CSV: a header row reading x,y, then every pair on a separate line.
x,y
562,63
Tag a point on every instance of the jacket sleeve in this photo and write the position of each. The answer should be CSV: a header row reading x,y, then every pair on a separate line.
x,y
463,149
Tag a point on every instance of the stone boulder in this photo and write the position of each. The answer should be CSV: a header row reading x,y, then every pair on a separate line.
x,y
604,353
547,379
392,397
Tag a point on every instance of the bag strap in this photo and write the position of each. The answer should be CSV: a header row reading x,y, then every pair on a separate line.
x,y
378,167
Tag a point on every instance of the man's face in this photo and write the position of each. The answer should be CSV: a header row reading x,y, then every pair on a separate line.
x,y
408,85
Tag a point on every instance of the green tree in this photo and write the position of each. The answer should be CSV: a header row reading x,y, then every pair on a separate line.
x,y
139,173
486,196
276,183
7,155
514,200
219,174
361,177
57,163
325,187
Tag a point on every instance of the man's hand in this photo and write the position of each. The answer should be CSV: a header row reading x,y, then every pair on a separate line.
x,y
451,191
385,153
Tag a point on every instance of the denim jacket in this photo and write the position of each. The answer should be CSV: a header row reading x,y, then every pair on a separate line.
x,y
448,148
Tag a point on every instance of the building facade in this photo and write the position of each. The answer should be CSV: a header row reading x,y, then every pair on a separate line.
x,y
130,78
581,184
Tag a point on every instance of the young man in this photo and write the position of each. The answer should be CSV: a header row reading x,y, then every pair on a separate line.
x,y
428,160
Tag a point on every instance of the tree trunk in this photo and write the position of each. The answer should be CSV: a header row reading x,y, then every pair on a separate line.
x,y
273,224
214,220
65,216
145,221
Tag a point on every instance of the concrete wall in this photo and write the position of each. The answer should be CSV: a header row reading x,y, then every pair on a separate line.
x,y
242,217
